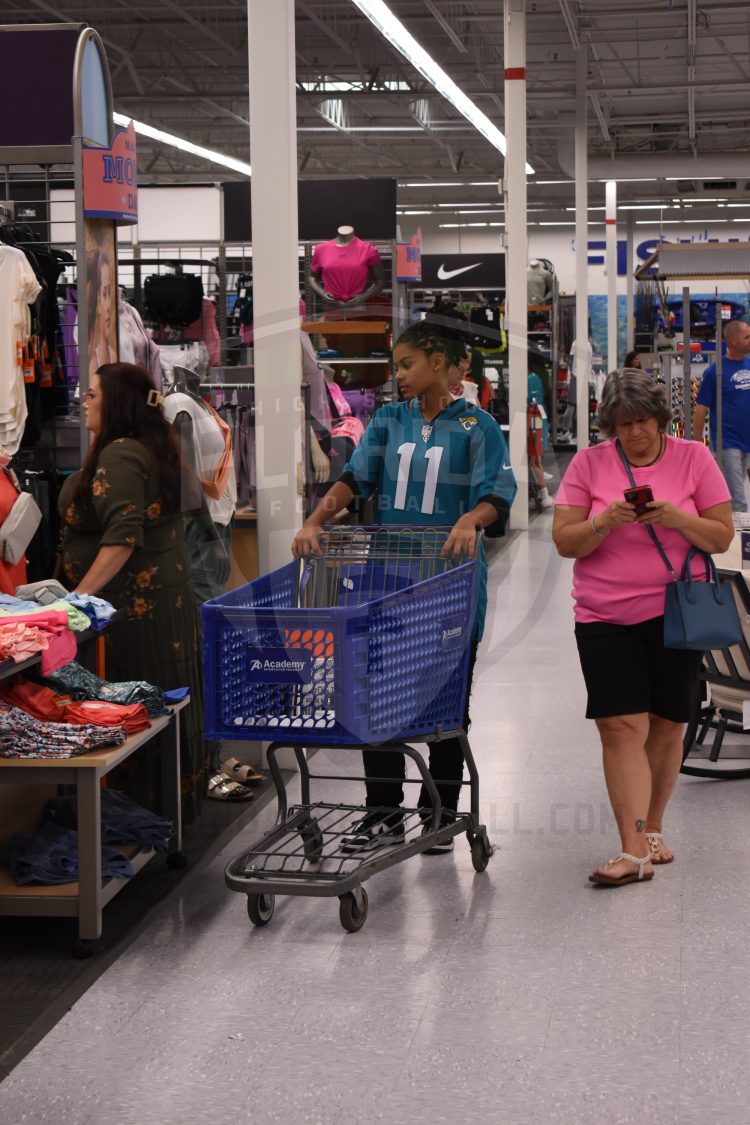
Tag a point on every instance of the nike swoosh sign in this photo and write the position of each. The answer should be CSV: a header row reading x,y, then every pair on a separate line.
x,y
446,275
506,466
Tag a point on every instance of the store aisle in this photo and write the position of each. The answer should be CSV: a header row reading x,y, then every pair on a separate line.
x,y
523,995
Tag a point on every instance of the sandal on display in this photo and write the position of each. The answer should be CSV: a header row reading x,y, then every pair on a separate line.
x,y
238,771
222,788
656,842
639,876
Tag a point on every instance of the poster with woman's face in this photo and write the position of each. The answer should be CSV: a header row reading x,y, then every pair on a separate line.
x,y
101,293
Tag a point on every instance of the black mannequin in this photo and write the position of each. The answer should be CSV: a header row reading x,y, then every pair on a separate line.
x,y
186,382
344,236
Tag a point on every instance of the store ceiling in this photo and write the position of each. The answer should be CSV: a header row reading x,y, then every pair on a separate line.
x,y
668,79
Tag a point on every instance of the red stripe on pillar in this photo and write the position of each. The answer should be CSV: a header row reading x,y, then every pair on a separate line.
x,y
515,72
611,222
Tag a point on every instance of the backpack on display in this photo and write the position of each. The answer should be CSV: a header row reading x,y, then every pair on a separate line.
x,y
173,298
242,313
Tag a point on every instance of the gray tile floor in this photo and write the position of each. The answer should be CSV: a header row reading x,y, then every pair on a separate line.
x,y
522,995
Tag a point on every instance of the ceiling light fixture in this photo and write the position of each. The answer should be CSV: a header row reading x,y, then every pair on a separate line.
x,y
185,146
381,16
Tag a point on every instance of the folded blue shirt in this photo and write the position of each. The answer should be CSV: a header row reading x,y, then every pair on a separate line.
x,y
123,821
50,856
98,611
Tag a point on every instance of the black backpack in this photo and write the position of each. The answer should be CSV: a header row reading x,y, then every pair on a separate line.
x,y
173,298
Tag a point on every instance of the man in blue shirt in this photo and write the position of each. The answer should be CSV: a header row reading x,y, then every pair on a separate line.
x,y
429,461
735,409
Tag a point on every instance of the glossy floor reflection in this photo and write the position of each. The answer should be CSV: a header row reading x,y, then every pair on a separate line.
x,y
522,995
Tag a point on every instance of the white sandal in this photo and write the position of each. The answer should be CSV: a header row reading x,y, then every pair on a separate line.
x,y
639,876
655,840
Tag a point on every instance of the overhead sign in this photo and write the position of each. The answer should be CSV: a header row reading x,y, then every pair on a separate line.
x,y
463,271
110,180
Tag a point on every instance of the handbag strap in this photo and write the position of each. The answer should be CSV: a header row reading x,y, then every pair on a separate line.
x,y
649,528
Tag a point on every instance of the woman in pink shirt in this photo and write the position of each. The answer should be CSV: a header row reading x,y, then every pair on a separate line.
x,y
639,692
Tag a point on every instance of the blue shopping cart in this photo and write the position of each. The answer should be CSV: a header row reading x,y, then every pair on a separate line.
x,y
367,645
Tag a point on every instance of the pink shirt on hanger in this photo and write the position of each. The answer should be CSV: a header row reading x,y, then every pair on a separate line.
x,y
624,579
345,268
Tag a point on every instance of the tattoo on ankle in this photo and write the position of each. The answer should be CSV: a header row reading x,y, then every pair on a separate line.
x,y
640,825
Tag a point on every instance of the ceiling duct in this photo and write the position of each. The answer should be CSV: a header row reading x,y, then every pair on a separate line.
x,y
658,166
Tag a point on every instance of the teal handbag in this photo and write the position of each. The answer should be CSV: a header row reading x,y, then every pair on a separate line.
x,y
697,615
700,615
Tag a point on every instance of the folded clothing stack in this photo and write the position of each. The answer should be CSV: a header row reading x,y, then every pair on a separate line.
x,y
84,611
50,856
80,684
22,736
47,705
45,631
123,821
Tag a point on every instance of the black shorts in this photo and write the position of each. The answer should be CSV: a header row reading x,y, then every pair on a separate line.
x,y
628,671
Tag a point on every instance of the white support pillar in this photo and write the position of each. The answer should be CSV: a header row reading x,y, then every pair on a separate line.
x,y
516,251
582,350
277,354
611,259
629,285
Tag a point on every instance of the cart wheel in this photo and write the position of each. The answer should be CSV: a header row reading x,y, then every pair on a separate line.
x,y
177,861
350,916
312,841
260,909
481,851
83,949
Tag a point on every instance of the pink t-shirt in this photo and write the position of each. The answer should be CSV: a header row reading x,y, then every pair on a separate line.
x,y
623,580
345,268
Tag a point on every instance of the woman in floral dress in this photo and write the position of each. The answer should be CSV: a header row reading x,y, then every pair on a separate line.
x,y
124,539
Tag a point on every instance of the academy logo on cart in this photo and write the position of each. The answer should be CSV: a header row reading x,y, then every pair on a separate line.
x,y
280,666
452,632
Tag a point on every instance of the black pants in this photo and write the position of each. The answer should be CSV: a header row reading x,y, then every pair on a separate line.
x,y
445,763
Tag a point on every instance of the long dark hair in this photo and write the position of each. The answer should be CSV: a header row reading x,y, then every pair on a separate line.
x,y
126,411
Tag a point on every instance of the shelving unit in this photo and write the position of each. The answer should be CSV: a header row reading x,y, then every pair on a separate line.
x,y
87,898
353,338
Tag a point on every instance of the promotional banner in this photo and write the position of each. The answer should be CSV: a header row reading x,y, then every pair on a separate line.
x,y
110,180
409,259
100,276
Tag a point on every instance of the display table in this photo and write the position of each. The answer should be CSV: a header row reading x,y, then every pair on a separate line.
x,y
87,898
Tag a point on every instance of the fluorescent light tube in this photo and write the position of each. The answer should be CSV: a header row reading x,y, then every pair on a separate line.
x,y
379,14
185,146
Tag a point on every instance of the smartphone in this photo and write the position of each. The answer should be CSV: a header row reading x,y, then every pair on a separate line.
x,y
641,495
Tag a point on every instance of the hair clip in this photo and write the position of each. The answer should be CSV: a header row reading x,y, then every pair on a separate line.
x,y
153,398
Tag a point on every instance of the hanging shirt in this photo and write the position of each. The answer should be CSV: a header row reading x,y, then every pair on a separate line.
x,y
345,266
18,288
429,474
212,447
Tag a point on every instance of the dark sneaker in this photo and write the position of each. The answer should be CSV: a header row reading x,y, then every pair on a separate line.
x,y
438,848
376,830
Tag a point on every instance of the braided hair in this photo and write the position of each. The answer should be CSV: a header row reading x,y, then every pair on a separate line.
x,y
444,329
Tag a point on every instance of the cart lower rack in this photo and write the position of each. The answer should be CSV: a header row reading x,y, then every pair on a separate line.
x,y
365,646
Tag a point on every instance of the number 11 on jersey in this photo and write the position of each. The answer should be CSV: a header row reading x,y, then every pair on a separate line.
x,y
405,456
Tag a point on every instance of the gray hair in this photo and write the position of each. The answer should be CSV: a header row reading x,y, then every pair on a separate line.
x,y
628,394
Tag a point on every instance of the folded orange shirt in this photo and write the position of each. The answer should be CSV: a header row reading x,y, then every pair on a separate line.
x,y
45,704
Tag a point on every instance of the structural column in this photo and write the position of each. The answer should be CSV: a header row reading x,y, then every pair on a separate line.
x,y
277,355
516,250
612,310
629,285
582,349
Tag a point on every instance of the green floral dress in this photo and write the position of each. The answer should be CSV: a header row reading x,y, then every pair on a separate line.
x,y
159,639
